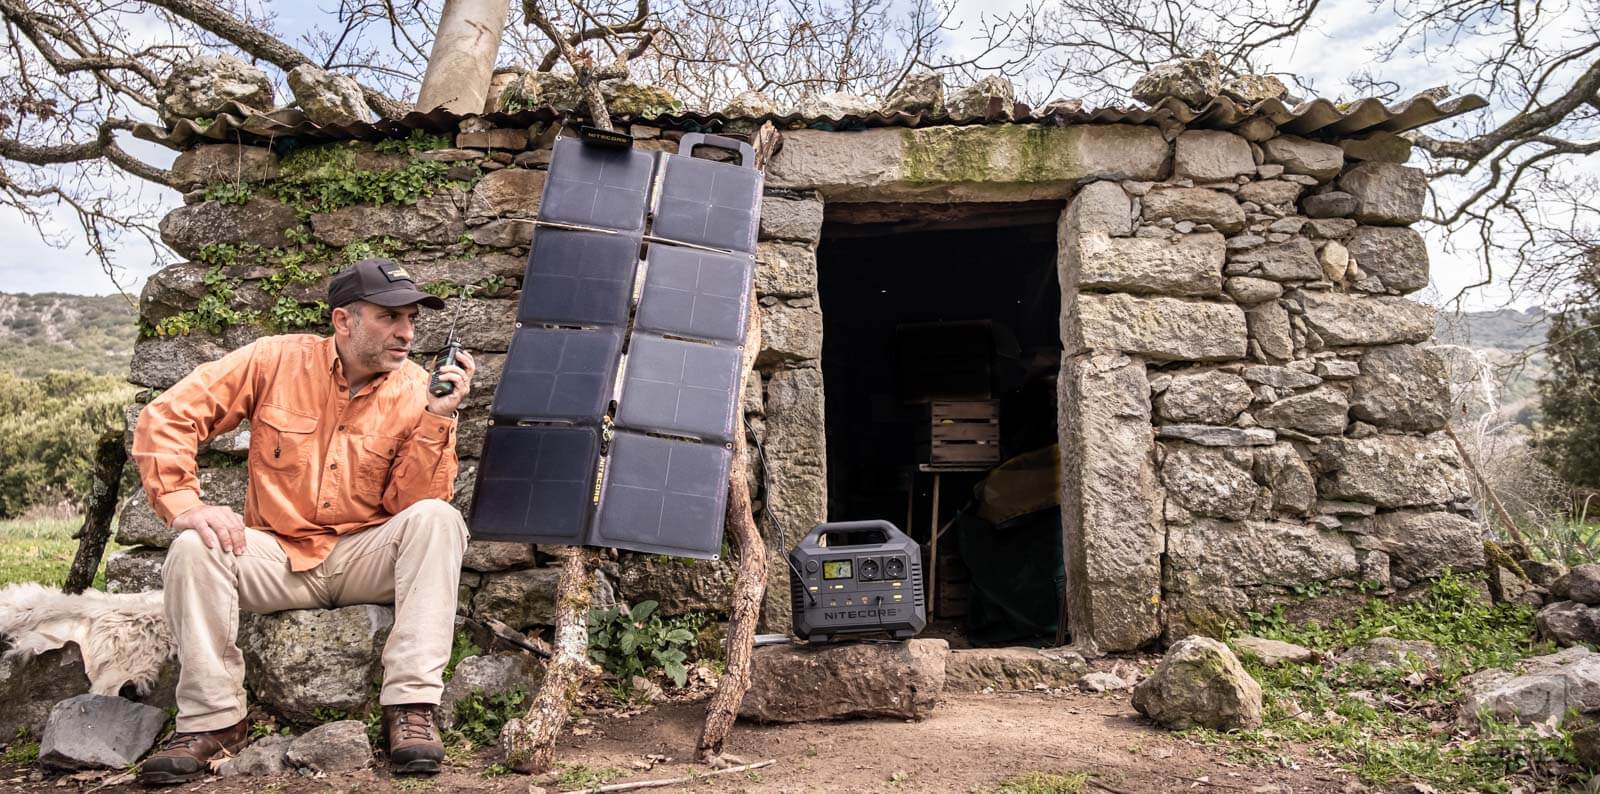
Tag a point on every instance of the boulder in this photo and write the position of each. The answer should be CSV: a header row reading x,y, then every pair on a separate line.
x,y
1100,207
1212,156
436,219
328,98
1269,327
791,332
541,89
1010,669
223,162
1287,477
30,686
1271,193
1280,377
504,233
138,525
1272,653
331,748
1210,481
1294,259
1208,556
159,362
988,97
1253,88
1392,471
1161,328
135,570
836,105
202,87
488,675
1195,81
1210,397
489,556
1401,387
1388,652
624,98
1200,683
1546,573
1343,320
1297,155
1569,623
520,599
265,756
795,219
1541,689
918,93
261,221
678,585
1190,265
1389,194
300,661
1198,205
1321,412
1102,682
1249,290
1382,146
797,473
507,193
786,270
99,732
1581,584
791,683
1395,255
483,325
750,104
1423,544
1333,204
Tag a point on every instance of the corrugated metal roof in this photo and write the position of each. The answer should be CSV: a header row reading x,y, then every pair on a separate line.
x,y
1315,118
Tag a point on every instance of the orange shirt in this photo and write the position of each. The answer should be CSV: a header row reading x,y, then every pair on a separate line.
x,y
322,463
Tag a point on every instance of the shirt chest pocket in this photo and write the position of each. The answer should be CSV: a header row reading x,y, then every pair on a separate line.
x,y
374,455
283,438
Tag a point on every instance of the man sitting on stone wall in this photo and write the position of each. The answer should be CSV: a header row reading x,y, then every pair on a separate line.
x,y
352,463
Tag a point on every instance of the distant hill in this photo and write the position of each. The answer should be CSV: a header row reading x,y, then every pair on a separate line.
x,y
54,331
1503,329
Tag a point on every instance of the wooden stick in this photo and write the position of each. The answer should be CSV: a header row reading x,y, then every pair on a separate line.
x,y
673,781
1517,539
748,585
529,742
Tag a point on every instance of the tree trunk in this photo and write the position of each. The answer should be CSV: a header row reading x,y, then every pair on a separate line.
x,y
749,584
463,57
529,742
105,487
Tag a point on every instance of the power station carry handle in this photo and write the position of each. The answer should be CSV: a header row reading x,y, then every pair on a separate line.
x,y
890,531
746,152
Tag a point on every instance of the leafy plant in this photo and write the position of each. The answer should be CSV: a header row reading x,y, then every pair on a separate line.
x,y
1040,783
633,641
461,648
480,717
229,192
578,776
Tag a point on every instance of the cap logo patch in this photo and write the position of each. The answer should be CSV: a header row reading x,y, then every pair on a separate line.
x,y
394,273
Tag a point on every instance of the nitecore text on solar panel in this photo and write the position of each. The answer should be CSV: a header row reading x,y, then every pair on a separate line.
x,y
613,422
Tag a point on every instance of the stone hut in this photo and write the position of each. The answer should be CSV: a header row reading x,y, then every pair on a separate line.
x,y
1206,299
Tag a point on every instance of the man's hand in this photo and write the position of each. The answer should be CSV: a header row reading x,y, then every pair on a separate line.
x,y
215,525
461,377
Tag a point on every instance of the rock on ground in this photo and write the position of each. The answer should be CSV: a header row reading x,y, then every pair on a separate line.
x,y
488,675
1569,623
1200,683
201,87
335,747
264,756
1102,682
1581,584
1271,653
1540,689
302,660
792,683
1386,652
99,732
30,687
973,669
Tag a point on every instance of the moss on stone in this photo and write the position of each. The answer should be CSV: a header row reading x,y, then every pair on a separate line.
x,y
1015,153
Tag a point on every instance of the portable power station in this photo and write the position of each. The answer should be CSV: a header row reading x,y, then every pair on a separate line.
x,y
856,578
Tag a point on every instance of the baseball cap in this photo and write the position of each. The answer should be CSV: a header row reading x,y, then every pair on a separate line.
x,y
380,281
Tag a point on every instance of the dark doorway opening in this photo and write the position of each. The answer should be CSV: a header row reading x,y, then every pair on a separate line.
x,y
941,344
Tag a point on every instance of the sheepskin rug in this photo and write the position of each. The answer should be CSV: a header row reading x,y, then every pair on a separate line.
x,y
123,637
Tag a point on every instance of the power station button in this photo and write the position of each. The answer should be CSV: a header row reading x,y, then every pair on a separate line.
x,y
811,566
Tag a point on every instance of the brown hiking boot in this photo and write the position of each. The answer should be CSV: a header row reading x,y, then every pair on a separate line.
x,y
414,743
187,756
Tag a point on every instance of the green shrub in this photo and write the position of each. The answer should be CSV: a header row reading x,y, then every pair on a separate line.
x,y
480,717
48,430
629,642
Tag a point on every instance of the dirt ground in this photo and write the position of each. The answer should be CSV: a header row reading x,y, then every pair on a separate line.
x,y
971,741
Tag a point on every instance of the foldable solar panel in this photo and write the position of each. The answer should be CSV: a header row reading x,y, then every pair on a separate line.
x,y
573,456
579,278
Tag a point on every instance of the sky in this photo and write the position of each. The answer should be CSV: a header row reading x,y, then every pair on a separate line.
x,y
1340,44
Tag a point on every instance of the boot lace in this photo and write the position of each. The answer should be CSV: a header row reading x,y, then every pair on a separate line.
x,y
414,724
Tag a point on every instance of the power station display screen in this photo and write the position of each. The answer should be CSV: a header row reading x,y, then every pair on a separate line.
x,y
837,569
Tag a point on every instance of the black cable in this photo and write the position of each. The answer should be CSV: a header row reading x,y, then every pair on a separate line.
x,y
783,536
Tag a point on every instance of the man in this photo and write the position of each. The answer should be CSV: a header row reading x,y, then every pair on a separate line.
x,y
352,462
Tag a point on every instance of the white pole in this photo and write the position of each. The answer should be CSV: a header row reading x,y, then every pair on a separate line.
x,y
464,54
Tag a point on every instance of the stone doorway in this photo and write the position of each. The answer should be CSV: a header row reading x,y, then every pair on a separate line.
x,y
949,302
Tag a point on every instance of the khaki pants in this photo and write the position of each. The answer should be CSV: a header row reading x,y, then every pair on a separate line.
x,y
412,561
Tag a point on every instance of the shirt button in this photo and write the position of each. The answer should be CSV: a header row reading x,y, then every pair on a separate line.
x,y
333,465
327,504
341,428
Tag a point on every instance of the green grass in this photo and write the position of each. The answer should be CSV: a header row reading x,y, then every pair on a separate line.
x,y
1392,725
41,550
1039,783
578,776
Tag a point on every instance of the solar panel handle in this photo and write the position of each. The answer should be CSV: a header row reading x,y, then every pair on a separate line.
x,y
746,152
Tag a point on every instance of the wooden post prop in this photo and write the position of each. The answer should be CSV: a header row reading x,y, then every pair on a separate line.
x,y
105,486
